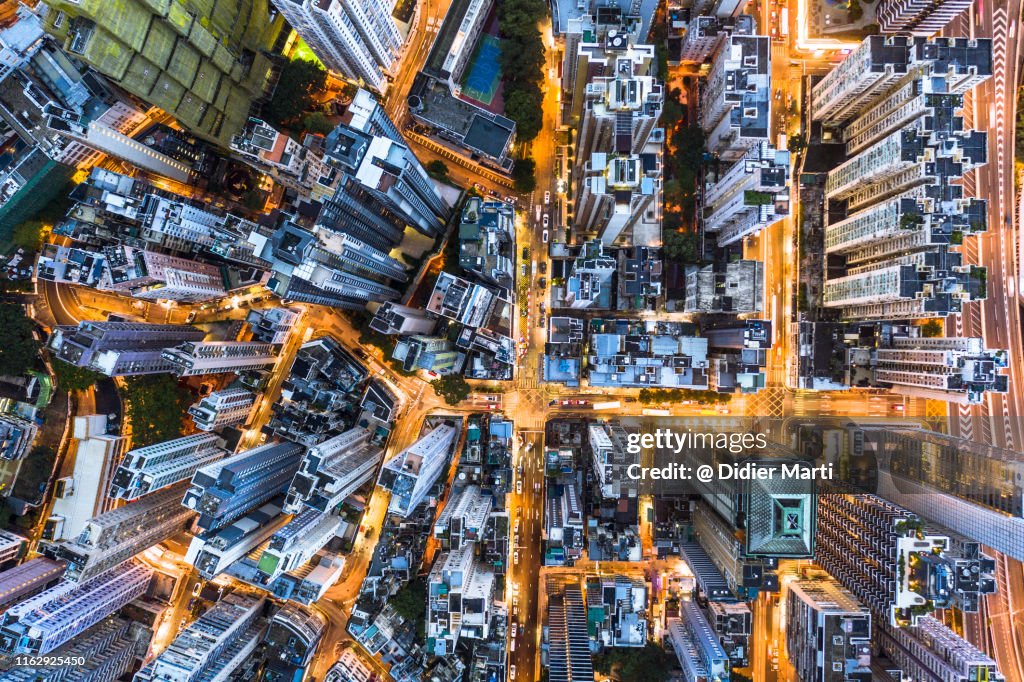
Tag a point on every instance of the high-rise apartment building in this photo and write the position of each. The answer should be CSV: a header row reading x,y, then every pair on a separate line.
x,y
733,287
217,357
955,369
121,348
222,408
619,198
459,594
735,106
394,318
227,489
334,469
16,436
882,61
828,632
411,474
356,39
863,541
214,551
705,35
154,467
213,646
11,545
918,17
41,623
296,542
487,241
601,49
464,517
930,650
117,535
385,188
330,268
608,444
568,640
696,645
203,62
748,197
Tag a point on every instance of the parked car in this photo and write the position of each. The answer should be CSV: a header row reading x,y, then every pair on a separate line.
x,y
546,221
547,198
543,267
544,236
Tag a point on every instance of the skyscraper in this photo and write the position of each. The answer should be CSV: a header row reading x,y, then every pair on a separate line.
x,y
748,197
333,470
410,474
216,643
214,551
296,542
930,650
735,105
918,17
225,490
394,318
433,353
117,535
357,39
217,357
40,624
121,348
828,632
154,467
222,408
203,61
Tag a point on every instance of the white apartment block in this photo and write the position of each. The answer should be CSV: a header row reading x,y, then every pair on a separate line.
x,y
614,51
217,643
357,39
117,535
464,516
410,475
222,408
918,17
214,551
751,195
954,369
881,62
10,546
619,199
154,467
459,595
735,105
333,470
611,460
297,541
41,623
217,357
394,318
350,668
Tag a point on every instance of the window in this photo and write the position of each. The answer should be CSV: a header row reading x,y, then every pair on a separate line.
x,y
58,20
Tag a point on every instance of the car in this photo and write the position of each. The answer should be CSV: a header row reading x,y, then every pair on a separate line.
x,y
543,309
197,589
512,672
510,200
491,398
360,353
519,487
547,198
492,407
567,402
546,222
515,540
523,269
515,629
515,558
191,317
526,253
516,528
544,237
543,282
897,408
630,400
519,471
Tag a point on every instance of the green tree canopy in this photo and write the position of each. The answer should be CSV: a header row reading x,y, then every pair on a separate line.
x,y
156,405
522,64
28,235
437,167
682,247
19,349
317,123
523,175
300,82
452,387
931,329
72,378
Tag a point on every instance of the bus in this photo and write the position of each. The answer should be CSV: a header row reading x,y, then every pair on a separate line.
x,y
648,412
610,405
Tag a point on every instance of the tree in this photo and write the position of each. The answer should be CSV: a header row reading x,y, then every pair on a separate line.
x,y
72,378
683,247
410,600
931,329
28,235
300,82
855,11
437,168
317,123
452,387
155,404
524,105
650,664
523,175
19,349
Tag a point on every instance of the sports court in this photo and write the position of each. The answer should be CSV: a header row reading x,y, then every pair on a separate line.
x,y
483,77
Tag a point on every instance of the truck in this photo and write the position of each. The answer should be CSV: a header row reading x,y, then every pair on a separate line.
x,y
610,405
648,412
